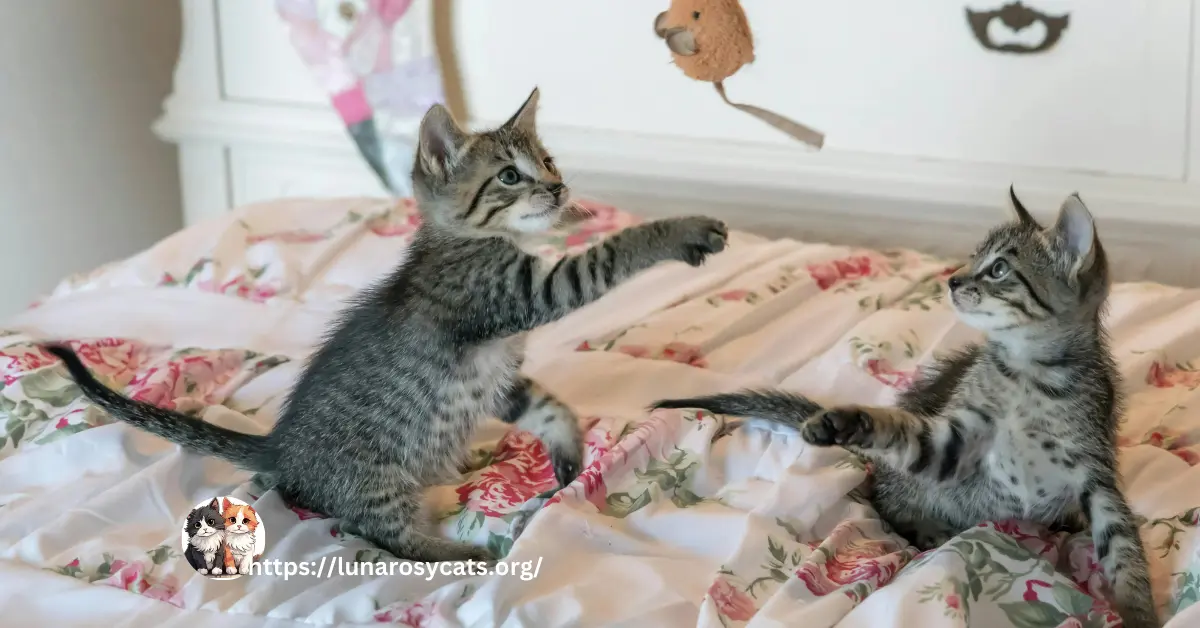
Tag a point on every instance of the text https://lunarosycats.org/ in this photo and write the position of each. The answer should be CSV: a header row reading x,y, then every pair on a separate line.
x,y
225,538
330,566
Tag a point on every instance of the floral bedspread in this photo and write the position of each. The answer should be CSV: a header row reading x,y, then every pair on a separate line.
x,y
678,520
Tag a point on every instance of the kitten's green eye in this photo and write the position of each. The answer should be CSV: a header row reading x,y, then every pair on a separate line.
x,y
509,176
998,269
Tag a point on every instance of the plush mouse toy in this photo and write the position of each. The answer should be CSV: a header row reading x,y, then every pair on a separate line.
x,y
710,40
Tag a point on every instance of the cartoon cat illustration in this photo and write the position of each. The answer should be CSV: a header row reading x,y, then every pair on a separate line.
x,y
241,525
205,529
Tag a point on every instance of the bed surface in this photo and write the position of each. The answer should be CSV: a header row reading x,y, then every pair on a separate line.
x,y
677,521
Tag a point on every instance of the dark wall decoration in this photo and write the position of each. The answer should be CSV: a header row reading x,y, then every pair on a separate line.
x,y
1018,17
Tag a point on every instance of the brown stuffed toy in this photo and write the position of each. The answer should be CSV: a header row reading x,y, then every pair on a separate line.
x,y
710,40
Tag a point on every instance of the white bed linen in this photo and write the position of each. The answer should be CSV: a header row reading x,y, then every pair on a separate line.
x,y
675,523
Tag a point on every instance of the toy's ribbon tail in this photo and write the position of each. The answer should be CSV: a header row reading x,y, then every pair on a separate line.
x,y
795,129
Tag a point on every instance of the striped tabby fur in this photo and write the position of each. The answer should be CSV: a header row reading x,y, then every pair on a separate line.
x,y
1022,426
386,407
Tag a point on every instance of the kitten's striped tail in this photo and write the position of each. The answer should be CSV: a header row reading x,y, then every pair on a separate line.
x,y
248,451
779,407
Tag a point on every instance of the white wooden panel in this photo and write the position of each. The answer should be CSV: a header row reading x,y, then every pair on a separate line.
x,y
258,62
204,181
261,174
877,76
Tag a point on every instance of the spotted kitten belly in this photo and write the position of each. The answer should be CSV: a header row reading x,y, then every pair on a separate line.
x,y
1037,470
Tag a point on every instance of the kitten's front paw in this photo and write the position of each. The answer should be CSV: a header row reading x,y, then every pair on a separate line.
x,y
216,571
926,541
244,570
202,571
694,238
567,462
848,425
481,554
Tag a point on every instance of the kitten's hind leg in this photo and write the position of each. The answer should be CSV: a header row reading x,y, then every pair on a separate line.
x,y
932,538
196,560
923,533
1071,522
394,523
1119,549
533,409
245,562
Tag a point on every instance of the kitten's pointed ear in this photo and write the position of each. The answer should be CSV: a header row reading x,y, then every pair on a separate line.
x,y
526,117
1074,233
440,142
215,505
226,503
1018,211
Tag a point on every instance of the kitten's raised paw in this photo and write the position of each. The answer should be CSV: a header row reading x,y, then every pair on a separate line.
x,y
696,237
848,425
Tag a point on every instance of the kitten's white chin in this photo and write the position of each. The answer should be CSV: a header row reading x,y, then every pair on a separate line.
x,y
988,323
978,316
524,218
537,224
977,321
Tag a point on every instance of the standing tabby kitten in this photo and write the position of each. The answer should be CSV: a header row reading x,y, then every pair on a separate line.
x,y
1023,426
386,407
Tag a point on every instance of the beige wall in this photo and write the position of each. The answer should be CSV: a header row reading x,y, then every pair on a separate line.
x,y
82,178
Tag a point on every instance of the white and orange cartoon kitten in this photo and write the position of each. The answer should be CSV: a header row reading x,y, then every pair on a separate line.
x,y
241,525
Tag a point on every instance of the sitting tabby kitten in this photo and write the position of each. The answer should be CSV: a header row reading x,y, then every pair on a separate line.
x,y
1023,426
386,407
205,529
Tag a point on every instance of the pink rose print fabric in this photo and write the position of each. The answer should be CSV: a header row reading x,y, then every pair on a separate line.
x,y
520,470
40,404
678,518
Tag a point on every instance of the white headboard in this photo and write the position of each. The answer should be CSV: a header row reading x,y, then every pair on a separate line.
x,y
925,128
